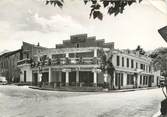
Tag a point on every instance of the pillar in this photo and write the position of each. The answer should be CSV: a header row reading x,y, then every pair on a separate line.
x,y
50,74
67,78
138,80
124,79
95,52
105,78
67,55
77,77
95,78
114,79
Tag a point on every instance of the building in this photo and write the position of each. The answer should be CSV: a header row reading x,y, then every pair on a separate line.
x,y
8,65
77,62
133,70
28,53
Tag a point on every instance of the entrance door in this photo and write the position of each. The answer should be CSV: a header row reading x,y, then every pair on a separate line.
x,y
25,76
45,77
35,76
72,78
119,80
150,81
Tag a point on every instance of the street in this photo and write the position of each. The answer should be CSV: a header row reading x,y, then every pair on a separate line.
x,y
21,101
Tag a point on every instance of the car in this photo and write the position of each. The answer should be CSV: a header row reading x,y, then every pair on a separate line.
x,y
3,80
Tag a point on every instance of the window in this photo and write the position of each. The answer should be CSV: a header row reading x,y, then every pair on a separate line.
x,y
136,65
140,79
149,68
142,66
127,60
119,79
118,61
116,79
77,45
144,80
152,79
132,62
122,79
122,61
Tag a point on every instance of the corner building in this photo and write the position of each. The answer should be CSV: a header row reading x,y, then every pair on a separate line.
x,y
76,62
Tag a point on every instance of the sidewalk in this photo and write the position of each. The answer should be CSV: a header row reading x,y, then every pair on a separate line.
x,y
89,89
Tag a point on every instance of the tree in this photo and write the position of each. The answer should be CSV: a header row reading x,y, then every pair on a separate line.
x,y
113,6
140,50
106,65
160,62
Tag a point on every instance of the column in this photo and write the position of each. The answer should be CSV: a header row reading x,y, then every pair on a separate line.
x,y
60,78
105,77
50,74
67,78
125,79
113,79
77,77
67,55
95,52
95,78
138,80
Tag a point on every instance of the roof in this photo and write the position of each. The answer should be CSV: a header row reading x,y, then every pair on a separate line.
x,y
7,54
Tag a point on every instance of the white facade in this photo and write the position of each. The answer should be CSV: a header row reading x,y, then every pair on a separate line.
x,y
133,70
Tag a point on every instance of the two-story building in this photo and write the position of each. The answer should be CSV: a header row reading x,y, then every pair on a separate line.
x,y
133,70
77,62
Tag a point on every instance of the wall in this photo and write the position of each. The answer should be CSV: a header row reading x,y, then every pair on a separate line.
x,y
84,41
28,69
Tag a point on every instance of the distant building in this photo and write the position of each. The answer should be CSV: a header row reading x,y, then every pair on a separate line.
x,y
77,62
8,65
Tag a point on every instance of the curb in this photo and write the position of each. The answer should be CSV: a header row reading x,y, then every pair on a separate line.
x,y
110,91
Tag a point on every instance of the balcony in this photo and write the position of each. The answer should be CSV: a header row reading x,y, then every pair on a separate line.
x,y
67,61
24,61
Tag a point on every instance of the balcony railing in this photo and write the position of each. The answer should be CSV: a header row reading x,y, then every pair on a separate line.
x,y
67,61
24,61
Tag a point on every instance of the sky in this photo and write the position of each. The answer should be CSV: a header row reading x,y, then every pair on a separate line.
x,y
32,21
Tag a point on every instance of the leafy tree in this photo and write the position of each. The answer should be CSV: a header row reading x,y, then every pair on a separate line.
x,y
113,6
107,66
160,63
140,50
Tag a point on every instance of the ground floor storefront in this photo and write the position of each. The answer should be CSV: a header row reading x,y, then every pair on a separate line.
x,y
133,80
68,77
86,77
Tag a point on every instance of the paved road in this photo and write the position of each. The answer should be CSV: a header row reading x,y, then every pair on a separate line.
x,y
24,102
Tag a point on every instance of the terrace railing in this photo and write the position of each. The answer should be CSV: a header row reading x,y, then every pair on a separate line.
x,y
67,61
24,61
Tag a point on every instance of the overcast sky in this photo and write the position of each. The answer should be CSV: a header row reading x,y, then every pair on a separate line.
x,y
32,21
